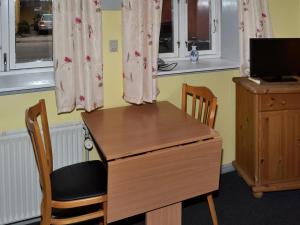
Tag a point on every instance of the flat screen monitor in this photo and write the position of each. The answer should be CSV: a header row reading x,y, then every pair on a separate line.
x,y
274,59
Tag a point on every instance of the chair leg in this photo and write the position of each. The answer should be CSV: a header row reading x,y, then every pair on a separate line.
x,y
45,214
105,213
212,209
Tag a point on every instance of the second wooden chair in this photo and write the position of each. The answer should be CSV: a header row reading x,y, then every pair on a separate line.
x,y
203,107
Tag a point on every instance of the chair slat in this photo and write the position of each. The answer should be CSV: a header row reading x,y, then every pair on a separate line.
x,y
194,105
200,108
207,103
77,219
206,111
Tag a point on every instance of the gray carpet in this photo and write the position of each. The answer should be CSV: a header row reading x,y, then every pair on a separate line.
x,y
235,205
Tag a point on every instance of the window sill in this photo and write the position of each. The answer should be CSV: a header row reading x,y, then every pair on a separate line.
x,y
203,65
26,81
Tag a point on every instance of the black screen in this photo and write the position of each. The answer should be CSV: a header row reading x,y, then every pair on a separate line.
x,y
274,58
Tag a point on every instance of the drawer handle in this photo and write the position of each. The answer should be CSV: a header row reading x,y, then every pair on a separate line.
x,y
271,103
283,102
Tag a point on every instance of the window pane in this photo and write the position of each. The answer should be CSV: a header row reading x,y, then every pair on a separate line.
x,y
33,29
166,38
199,24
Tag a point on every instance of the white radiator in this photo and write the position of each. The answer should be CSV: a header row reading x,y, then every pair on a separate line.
x,y
19,185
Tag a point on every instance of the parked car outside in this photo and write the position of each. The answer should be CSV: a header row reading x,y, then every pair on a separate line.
x,y
36,20
45,23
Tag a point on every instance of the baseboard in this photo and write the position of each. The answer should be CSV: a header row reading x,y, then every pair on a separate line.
x,y
226,168
29,221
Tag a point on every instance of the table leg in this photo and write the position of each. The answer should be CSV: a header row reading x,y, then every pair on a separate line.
x,y
169,215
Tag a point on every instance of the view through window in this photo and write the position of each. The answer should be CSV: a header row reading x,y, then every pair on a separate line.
x,y
199,24
33,31
187,23
166,30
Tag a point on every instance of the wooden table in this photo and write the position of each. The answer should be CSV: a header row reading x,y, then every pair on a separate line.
x,y
157,156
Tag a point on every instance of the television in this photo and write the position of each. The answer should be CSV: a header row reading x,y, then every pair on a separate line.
x,y
275,59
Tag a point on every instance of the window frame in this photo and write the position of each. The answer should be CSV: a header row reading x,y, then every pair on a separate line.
x,y
8,42
12,43
4,30
21,77
180,12
175,20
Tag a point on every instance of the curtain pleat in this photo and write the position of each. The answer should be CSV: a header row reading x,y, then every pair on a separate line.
x,y
141,28
77,45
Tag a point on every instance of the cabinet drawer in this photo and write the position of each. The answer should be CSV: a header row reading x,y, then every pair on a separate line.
x,y
270,102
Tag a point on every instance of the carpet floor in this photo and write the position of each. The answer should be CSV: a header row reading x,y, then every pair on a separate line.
x,y
235,205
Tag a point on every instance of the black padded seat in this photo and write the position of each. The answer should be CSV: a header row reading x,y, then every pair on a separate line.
x,y
79,181
90,222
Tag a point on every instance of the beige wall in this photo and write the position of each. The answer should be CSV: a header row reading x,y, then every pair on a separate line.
x,y
298,18
285,21
285,17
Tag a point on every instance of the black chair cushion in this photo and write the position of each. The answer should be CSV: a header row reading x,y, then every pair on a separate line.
x,y
90,222
79,181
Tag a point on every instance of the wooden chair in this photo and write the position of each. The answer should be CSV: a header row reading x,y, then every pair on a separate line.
x,y
73,193
204,105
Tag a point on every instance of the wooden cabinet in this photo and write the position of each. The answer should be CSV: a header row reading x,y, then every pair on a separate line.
x,y
268,135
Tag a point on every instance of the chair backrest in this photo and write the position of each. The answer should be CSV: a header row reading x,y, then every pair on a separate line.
x,y
204,103
41,144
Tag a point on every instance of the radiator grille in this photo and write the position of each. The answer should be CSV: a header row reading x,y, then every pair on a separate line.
x,y
19,186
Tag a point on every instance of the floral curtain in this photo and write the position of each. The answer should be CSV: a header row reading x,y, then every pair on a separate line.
x,y
141,27
255,22
77,45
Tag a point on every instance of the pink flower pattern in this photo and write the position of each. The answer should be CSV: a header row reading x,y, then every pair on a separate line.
x,y
66,65
157,2
263,16
149,39
78,20
246,5
242,26
88,58
140,56
260,30
99,77
81,98
90,28
254,22
145,63
67,59
97,3
137,53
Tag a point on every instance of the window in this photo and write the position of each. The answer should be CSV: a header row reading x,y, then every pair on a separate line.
x,y
26,37
190,22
